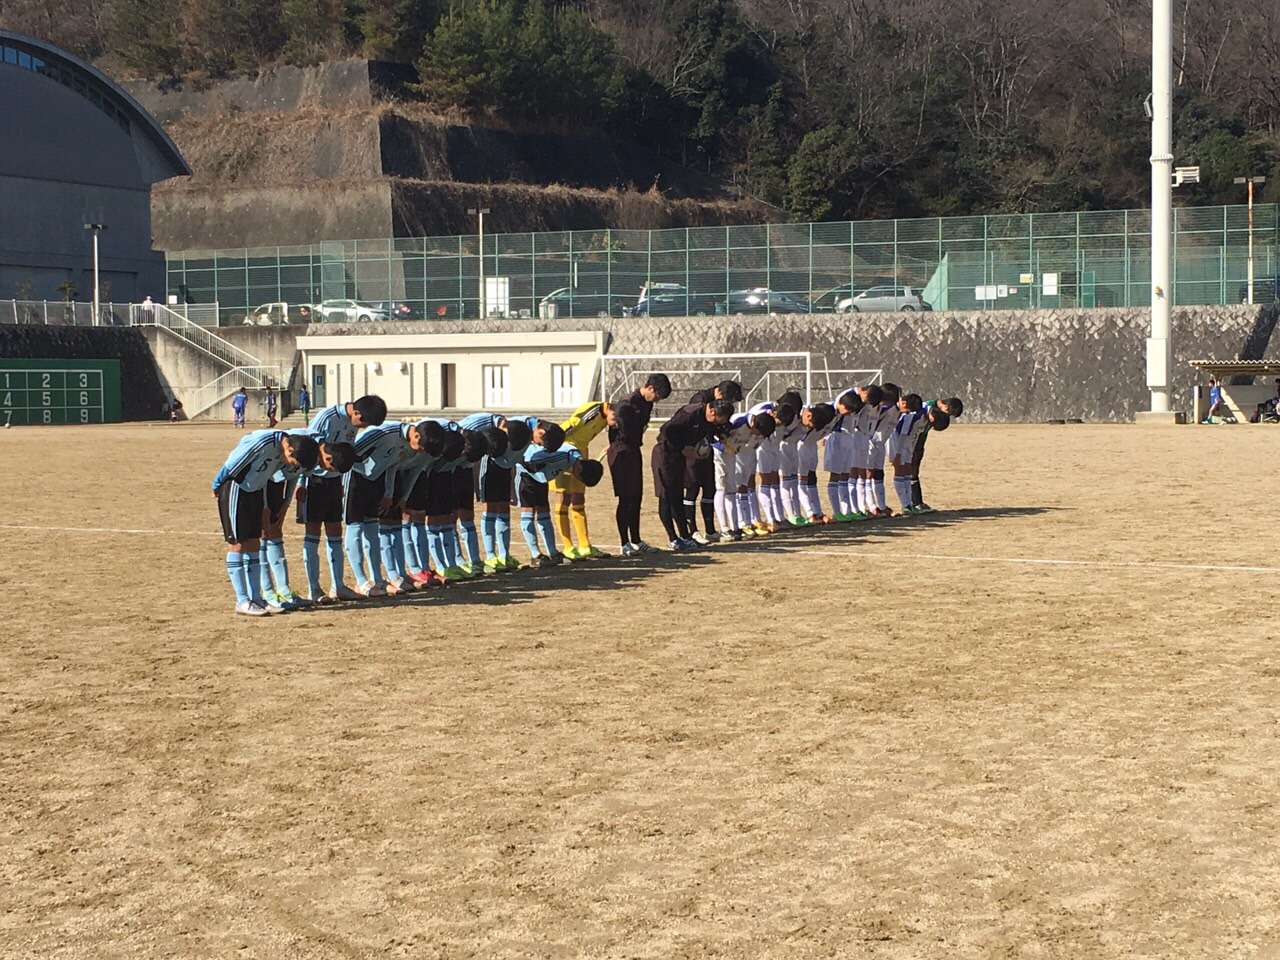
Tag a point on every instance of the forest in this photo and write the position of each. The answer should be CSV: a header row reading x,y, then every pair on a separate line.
x,y
827,109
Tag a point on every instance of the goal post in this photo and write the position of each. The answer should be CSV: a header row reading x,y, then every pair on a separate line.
x,y
761,374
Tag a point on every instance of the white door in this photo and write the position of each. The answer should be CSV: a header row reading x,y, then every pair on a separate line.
x,y
495,386
564,385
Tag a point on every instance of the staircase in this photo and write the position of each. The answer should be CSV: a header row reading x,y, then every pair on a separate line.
x,y
243,369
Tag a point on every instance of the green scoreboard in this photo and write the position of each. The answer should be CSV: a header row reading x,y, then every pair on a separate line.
x,y
59,391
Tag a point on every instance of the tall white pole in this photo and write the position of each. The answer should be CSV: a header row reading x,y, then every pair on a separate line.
x,y
97,288
1159,346
1250,241
483,313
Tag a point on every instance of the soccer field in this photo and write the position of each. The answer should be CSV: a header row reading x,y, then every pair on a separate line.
x,y
1044,722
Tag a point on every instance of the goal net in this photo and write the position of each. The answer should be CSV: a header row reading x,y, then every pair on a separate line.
x,y
764,376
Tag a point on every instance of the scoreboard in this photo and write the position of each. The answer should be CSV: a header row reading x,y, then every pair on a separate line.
x,y
59,391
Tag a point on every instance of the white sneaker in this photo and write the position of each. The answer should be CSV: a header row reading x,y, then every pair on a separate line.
x,y
700,537
370,589
397,587
630,551
272,602
642,547
251,609
343,592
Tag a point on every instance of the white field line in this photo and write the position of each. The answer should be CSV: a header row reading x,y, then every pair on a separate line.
x,y
779,547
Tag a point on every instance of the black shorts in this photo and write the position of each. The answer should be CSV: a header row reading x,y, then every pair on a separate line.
x,y
625,470
464,488
531,492
668,472
240,512
699,475
274,502
439,493
363,497
493,482
323,502
917,455
417,498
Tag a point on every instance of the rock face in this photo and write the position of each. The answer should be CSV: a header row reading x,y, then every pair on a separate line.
x,y
342,151
1009,366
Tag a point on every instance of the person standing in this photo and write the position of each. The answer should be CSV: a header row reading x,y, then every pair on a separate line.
x,y
269,401
1215,401
239,403
304,404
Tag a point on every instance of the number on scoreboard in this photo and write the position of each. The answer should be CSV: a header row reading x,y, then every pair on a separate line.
x,y
67,395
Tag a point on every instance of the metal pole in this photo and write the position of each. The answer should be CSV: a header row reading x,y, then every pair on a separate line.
x,y
483,312
96,286
1250,275
1159,347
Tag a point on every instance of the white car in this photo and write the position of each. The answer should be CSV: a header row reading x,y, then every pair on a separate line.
x,y
884,300
338,311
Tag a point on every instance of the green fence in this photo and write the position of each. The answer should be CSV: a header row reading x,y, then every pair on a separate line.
x,y
1089,258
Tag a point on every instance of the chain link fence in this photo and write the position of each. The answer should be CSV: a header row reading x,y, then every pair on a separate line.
x,y
1015,261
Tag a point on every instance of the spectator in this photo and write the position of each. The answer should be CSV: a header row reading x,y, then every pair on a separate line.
x,y
304,404
269,401
175,410
238,404
148,310
1215,401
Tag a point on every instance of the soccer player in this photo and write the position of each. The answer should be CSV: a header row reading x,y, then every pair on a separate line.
x,y
949,409
533,473
239,489
902,445
861,489
690,428
700,476
321,506
817,420
839,453
754,428
883,421
270,403
768,457
239,403
335,459
656,389
450,495
625,469
788,441
413,484
373,507
586,423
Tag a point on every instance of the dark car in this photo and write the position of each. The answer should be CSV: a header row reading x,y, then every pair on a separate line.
x,y
397,310
1265,290
673,300
569,302
764,300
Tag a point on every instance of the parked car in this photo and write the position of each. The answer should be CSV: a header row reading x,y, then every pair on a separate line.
x,y
398,310
339,311
764,300
278,314
1265,290
569,302
884,299
672,300
829,299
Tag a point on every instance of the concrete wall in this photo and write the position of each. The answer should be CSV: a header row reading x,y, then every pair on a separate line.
x,y
142,394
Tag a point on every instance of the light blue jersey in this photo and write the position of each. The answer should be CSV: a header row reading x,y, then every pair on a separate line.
x,y
481,421
380,451
333,424
545,465
416,465
253,461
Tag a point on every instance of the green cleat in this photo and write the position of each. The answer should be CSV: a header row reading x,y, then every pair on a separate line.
x,y
511,563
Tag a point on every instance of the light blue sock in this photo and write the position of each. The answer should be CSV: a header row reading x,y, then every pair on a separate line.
x,y
252,573
449,544
489,529
472,537
279,566
436,547
392,547
264,569
355,550
235,571
502,533
409,537
372,550
529,527
421,546
334,546
548,532
311,563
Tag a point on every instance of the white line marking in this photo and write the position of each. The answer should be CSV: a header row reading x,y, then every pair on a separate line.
x,y
165,533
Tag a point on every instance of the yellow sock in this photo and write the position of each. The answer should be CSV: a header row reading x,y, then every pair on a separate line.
x,y
562,525
579,513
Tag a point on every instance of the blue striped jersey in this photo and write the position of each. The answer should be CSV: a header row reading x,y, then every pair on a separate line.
x,y
481,421
253,461
381,450
333,424
545,465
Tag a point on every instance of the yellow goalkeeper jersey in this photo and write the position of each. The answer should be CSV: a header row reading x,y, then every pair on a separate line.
x,y
585,424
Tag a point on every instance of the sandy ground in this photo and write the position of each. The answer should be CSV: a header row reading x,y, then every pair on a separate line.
x,y
1042,723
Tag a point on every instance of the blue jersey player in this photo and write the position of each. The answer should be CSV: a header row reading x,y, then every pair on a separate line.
x,y
240,487
533,473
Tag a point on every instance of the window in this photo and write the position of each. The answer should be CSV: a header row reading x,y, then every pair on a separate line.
x,y
564,385
495,385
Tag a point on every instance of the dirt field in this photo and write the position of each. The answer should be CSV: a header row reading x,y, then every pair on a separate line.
x,y
1042,723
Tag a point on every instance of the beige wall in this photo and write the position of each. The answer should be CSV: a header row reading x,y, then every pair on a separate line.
x,y
398,368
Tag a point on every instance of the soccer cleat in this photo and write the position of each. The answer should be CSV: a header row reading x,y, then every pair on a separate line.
x,y
924,508
452,574
468,568
762,530
630,550
370,589
494,565
421,577
291,601
399,586
735,535
555,559
713,537
342,592
572,553
273,603
643,547
797,521
512,563
539,562
251,609
323,600
700,537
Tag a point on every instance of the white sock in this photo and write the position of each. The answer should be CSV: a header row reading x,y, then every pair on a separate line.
x,y
741,501
855,504
808,495
790,497
864,495
902,485
724,511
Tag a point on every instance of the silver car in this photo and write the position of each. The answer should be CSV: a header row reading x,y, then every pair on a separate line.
x,y
884,300
338,311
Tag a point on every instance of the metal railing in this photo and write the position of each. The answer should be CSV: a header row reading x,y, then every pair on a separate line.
x,y
205,398
61,313
199,337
